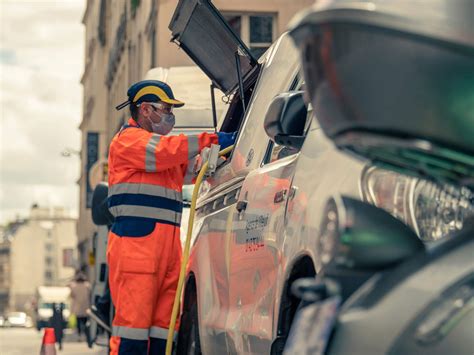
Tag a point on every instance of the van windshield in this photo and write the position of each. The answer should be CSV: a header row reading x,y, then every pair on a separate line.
x,y
49,305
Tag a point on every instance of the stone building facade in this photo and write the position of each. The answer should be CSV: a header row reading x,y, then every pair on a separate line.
x,y
38,251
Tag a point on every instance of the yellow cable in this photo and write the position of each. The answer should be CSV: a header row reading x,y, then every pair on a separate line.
x,y
187,244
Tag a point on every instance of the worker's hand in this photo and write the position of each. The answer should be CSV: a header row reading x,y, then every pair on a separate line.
x,y
226,139
200,159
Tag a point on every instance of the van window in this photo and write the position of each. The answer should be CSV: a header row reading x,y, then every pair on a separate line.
x,y
280,68
49,305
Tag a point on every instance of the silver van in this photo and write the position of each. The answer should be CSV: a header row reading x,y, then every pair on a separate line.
x,y
258,215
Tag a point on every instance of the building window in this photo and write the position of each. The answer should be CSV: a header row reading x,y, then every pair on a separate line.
x,y
134,6
48,275
139,58
68,257
101,28
92,152
261,34
153,49
49,261
49,247
256,30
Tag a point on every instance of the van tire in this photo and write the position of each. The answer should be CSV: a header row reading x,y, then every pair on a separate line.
x,y
279,343
290,305
188,337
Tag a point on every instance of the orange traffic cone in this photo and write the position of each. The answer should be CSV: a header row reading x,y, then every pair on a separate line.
x,y
48,347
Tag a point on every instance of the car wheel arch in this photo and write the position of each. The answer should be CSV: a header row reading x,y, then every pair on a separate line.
x,y
303,266
190,291
189,312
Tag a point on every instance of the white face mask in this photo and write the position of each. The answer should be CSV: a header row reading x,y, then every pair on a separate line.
x,y
166,124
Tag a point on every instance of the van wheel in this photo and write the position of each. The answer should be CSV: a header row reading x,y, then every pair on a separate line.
x,y
188,338
290,305
279,343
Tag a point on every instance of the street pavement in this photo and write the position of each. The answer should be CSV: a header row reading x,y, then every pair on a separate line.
x,y
21,341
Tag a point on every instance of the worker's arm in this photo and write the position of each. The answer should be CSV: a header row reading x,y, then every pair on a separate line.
x,y
141,150
190,169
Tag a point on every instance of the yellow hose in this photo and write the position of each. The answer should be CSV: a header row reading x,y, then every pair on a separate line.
x,y
187,245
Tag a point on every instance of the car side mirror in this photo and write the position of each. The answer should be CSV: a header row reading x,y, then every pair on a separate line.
x,y
101,215
285,119
355,235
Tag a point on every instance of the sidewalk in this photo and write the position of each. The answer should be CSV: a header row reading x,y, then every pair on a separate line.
x,y
21,341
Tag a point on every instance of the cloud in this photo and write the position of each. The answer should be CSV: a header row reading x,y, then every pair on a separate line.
x,y
7,56
41,62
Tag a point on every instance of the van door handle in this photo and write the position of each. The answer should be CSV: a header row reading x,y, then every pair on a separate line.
x,y
279,196
293,191
241,205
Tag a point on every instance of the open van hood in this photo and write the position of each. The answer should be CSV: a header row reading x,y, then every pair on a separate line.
x,y
201,31
394,81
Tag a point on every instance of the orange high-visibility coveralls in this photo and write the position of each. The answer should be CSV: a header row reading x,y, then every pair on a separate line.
x,y
146,175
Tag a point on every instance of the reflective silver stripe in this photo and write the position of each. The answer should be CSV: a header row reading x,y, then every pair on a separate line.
x,y
161,333
188,178
145,189
150,158
193,146
146,212
130,333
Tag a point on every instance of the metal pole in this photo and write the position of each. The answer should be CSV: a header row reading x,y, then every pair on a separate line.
x,y
239,76
214,113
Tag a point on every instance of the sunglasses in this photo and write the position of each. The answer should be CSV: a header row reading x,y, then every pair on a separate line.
x,y
163,107
166,108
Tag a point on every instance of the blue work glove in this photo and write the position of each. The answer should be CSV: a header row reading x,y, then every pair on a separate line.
x,y
226,139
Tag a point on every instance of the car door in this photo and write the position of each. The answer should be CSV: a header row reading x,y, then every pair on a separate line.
x,y
256,250
217,220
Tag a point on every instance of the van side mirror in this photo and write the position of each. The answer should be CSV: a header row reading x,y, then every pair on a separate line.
x,y
285,119
101,215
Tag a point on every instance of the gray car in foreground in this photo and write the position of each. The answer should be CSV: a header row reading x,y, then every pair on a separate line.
x,y
419,298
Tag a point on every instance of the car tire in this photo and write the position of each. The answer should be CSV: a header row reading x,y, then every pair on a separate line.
x,y
188,338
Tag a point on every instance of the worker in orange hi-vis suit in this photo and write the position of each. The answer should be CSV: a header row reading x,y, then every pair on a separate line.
x,y
147,170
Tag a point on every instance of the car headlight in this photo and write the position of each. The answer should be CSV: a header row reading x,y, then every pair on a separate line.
x,y
440,210
430,209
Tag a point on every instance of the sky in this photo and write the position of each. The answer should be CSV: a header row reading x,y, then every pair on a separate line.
x,y
41,63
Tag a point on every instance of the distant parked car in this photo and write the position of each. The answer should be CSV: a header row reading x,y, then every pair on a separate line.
x,y
18,319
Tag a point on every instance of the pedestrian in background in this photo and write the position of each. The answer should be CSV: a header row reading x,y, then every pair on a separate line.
x,y
80,301
58,323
